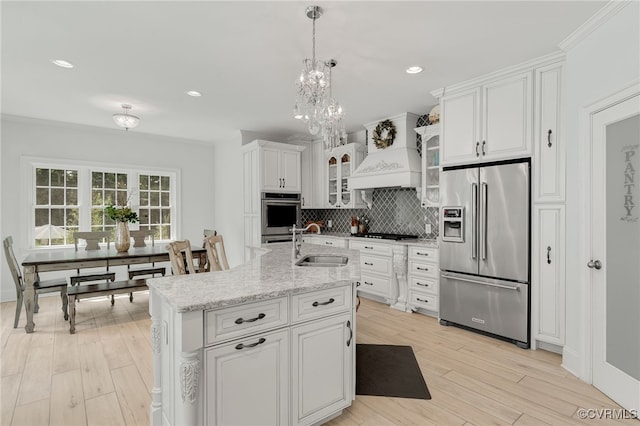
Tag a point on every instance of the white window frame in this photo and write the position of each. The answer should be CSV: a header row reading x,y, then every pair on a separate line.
x,y
84,168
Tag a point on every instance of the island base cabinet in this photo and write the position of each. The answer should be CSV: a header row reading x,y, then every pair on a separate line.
x,y
247,381
322,368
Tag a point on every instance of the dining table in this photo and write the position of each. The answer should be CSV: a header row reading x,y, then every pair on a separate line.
x,y
64,259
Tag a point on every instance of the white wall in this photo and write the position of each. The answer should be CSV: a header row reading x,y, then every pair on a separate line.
x,y
602,63
195,161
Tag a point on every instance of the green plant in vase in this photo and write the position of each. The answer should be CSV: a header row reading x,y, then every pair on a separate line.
x,y
122,215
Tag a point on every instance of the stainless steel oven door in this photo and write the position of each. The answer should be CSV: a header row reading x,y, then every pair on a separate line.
x,y
279,216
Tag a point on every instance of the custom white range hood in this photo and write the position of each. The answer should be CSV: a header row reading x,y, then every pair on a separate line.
x,y
398,165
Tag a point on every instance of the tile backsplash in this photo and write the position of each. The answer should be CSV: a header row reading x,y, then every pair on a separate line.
x,y
393,210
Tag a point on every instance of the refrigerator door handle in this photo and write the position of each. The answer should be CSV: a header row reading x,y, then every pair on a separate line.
x,y
483,221
474,220
468,280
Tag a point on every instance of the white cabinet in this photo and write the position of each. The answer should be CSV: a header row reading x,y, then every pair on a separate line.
x,y
280,170
376,266
340,163
326,240
321,362
549,159
313,176
250,371
489,122
423,276
430,136
548,274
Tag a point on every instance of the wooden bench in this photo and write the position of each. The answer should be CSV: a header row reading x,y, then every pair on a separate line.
x,y
100,289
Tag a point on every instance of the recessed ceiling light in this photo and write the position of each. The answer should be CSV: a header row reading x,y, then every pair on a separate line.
x,y
62,63
194,93
414,70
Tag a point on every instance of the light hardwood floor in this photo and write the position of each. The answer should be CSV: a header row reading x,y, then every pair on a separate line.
x,y
102,375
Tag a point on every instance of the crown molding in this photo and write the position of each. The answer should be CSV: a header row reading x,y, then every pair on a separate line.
x,y
599,18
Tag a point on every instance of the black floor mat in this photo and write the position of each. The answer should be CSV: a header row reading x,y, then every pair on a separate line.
x,y
389,370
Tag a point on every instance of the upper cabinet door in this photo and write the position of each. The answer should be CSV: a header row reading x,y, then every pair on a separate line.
x,y
271,179
460,127
507,116
290,171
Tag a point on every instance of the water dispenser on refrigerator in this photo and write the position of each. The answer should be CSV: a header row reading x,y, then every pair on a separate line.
x,y
453,224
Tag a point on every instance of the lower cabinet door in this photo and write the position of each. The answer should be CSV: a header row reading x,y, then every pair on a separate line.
x,y
322,368
247,381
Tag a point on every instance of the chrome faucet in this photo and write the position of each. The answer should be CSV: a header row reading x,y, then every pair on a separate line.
x,y
295,250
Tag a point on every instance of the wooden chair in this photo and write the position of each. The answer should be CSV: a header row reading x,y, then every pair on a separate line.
x,y
92,240
139,241
48,286
216,256
180,254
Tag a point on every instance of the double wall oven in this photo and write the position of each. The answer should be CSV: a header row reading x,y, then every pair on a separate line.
x,y
279,213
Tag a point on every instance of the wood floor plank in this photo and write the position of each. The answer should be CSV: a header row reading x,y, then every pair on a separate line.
x,y
67,399
14,354
35,413
133,397
96,379
36,378
9,386
104,410
65,352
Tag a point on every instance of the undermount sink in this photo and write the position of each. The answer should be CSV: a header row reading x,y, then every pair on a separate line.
x,y
322,260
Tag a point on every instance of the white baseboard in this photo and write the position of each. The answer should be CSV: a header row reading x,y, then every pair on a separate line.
x,y
571,361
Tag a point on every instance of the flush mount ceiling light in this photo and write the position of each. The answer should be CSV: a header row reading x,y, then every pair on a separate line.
x,y
313,82
414,69
62,63
126,120
194,93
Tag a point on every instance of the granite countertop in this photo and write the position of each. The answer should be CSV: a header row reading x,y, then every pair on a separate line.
x,y
271,274
418,241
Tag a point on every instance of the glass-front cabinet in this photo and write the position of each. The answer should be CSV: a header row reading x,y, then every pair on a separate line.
x,y
430,164
341,163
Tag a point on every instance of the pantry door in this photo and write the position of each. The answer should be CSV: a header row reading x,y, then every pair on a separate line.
x,y
615,250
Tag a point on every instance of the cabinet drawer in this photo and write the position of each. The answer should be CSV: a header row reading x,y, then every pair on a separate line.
x,y
379,265
333,242
422,253
423,284
423,301
228,323
424,269
320,303
372,248
375,285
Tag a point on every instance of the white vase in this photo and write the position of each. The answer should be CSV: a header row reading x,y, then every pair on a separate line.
x,y
123,239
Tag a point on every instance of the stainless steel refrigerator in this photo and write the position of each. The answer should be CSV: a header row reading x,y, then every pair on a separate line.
x,y
485,248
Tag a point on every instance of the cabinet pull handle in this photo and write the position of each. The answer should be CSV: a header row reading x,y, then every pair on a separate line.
x,y
483,144
549,255
328,242
368,263
367,247
422,254
422,300
350,333
549,138
422,284
284,182
421,269
328,302
240,346
302,201
242,320
368,283
477,148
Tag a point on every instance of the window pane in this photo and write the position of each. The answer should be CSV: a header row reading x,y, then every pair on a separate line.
x,y
166,216
144,182
42,177
57,196
154,199
165,186
144,198
144,216
97,217
110,180
109,197
122,198
164,199
122,181
96,197
72,178
154,182
42,217
165,232
42,196
72,197
57,177
72,218
96,180
154,216
57,217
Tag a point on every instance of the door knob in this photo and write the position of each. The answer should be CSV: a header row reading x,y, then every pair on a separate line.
x,y
594,264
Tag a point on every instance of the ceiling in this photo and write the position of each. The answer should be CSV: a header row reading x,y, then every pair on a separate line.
x,y
245,56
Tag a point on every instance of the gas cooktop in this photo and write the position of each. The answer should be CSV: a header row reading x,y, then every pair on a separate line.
x,y
383,236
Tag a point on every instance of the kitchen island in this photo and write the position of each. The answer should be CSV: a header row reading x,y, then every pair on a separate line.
x,y
267,342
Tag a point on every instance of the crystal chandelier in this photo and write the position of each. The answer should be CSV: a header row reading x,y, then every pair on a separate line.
x,y
331,118
126,120
312,84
